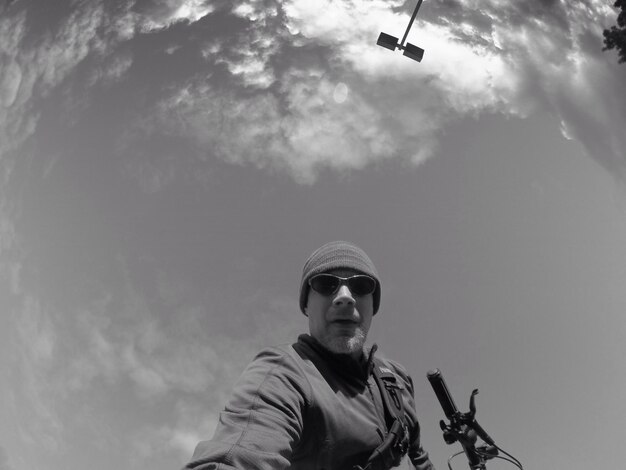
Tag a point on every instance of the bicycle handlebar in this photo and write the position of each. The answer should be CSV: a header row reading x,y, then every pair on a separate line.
x,y
463,427
443,394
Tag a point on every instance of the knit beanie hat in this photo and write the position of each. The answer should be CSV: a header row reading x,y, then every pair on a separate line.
x,y
333,255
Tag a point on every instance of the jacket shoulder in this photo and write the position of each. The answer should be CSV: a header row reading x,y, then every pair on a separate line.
x,y
277,365
398,370
263,421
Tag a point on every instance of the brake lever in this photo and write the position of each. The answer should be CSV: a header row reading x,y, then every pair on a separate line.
x,y
474,424
472,404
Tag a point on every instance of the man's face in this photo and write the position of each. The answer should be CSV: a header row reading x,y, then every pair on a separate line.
x,y
340,321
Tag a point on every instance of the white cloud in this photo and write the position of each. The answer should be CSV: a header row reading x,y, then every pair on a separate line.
x,y
35,62
467,76
33,67
111,70
37,65
335,22
340,93
69,366
12,134
194,422
184,441
35,327
313,130
485,57
250,54
150,445
256,11
492,57
482,57
35,417
131,344
9,82
253,70
162,14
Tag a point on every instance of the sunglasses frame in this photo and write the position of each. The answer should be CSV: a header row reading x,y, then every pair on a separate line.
x,y
343,281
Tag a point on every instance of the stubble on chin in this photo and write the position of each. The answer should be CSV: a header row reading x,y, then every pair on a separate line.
x,y
346,344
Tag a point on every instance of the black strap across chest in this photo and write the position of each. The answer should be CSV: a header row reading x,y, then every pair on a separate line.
x,y
390,393
395,444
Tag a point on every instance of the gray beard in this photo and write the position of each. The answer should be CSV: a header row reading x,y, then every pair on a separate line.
x,y
346,344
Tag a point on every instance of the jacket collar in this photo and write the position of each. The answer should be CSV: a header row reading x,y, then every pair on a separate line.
x,y
342,363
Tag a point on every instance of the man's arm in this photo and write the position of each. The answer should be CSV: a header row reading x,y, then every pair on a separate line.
x,y
262,423
418,456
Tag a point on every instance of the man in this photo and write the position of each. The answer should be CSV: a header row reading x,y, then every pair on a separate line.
x,y
325,402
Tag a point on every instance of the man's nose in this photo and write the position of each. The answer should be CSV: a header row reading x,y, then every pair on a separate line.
x,y
343,297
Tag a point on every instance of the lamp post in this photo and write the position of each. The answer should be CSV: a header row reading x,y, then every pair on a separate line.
x,y
390,42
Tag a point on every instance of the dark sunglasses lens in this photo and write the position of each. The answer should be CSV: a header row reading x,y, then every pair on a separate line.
x,y
361,285
324,284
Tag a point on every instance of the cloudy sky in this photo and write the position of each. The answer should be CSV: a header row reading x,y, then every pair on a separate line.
x,y
166,166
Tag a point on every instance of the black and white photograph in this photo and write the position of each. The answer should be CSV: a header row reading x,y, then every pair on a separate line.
x,y
312,234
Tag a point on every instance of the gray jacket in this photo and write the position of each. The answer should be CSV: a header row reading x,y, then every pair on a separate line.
x,y
300,407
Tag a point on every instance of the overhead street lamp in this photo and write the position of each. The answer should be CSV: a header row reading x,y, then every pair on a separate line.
x,y
390,42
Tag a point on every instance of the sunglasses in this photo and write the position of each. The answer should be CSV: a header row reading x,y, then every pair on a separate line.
x,y
328,284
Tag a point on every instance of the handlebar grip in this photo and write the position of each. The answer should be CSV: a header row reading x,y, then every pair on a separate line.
x,y
482,433
443,394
